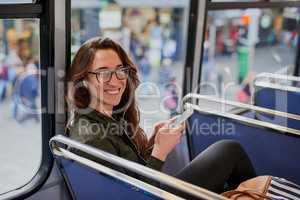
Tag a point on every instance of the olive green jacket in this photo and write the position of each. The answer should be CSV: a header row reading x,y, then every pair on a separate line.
x,y
105,133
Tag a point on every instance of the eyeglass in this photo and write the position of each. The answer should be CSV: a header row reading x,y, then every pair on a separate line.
x,y
105,75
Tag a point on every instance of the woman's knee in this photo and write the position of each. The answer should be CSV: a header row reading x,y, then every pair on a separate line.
x,y
230,147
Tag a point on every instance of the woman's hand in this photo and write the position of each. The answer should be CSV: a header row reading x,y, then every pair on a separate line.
x,y
166,138
157,126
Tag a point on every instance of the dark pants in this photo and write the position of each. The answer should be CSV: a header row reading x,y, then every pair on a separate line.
x,y
222,166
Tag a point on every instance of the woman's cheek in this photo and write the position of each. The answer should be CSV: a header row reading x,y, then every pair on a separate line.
x,y
99,92
124,86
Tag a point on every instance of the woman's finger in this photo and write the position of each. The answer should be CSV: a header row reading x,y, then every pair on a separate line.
x,y
159,125
172,119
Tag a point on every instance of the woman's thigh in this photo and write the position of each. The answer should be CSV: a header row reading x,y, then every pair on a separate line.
x,y
222,162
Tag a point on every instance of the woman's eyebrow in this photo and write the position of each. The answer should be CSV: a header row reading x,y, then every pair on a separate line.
x,y
101,68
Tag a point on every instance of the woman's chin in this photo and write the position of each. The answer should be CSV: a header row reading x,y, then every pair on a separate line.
x,y
113,101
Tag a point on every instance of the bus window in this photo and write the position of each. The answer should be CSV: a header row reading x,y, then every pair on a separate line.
x,y
154,33
20,121
240,43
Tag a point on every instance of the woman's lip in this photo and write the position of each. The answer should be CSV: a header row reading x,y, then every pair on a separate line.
x,y
113,91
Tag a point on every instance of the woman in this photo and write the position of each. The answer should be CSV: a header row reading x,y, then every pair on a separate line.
x,y
102,82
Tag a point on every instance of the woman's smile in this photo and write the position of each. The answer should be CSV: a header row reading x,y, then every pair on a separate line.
x,y
112,91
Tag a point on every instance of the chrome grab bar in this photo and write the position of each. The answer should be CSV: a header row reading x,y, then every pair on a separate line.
x,y
246,120
241,105
137,168
277,76
276,86
266,84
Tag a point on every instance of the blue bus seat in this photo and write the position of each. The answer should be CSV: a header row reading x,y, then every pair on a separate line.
x,y
87,179
271,152
282,121
87,183
285,101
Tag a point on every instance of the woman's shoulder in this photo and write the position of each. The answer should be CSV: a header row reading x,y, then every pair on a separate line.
x,y
84,128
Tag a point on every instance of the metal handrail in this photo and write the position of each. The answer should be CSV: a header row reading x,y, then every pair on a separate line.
x,y
246,120
278,86
277,76
134,167
241,105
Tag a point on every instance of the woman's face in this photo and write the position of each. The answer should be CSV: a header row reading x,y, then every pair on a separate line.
x,y
109,93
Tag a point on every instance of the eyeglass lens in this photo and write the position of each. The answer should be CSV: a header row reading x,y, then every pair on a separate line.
x,y
107,74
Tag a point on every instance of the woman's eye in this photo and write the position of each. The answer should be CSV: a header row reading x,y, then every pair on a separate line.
x,y
105,73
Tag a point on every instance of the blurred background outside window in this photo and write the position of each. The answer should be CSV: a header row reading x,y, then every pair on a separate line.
x,y
239,44
20,120
154,33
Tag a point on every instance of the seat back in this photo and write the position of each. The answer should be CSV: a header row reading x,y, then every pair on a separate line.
x,y
281,100
91,180
277,92
87,183
271,151
285,101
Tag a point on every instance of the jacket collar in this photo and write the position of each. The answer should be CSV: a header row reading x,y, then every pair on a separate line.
x,y
101,117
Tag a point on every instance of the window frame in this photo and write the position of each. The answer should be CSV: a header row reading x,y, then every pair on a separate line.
x,y
16,11
193,58
44,11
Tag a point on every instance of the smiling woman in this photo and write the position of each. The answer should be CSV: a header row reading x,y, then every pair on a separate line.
x,y
106,96
102,97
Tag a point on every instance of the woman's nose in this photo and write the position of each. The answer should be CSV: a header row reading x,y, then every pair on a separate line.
x,y
114,79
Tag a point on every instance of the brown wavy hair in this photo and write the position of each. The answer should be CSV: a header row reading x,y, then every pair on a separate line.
x,y
81,98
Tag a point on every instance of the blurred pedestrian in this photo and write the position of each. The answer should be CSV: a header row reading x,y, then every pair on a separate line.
x,y
144,65
26,93
13,66
171,96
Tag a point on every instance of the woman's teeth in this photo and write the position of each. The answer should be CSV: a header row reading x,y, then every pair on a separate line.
x,y
114,92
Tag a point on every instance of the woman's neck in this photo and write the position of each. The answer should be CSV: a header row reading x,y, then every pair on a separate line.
x,y
101,107
105,109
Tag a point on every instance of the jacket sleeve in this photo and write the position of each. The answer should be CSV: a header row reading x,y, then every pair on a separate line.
x,y
155,163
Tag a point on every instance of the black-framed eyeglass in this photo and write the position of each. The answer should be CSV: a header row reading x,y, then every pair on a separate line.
x,y
106,74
